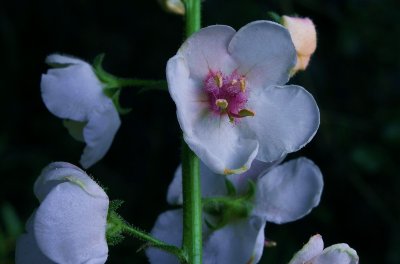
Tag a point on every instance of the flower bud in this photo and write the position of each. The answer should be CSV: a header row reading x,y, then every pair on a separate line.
x,y
173,6
304,37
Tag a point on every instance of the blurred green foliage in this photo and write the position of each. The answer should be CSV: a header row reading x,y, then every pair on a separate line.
x,y
354,77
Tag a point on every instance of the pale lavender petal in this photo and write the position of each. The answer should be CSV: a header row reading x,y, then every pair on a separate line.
x,y
59,172
99,134
212,185
338,254
286,119
72,92
234,243
313,248
27,250
70,225
167,228
289,191
59,59
264,52
207,49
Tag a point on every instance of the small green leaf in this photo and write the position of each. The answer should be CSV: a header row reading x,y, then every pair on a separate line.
x,y
12,223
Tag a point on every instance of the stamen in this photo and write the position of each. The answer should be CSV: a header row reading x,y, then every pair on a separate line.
x,y
243,84
234,81
218,80
246,112
221,103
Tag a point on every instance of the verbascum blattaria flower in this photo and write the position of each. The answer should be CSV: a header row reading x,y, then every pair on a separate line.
x,y
72,91
69,227
314,253
232,104
283,193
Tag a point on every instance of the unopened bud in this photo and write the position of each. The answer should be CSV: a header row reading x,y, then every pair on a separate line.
x,y
304,37
173,6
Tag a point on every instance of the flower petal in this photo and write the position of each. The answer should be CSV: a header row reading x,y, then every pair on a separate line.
x,y
72,92
27,250
289,191
216,141
313,248
338,254
167,228
70,225
59,172
234,243
286,119
65,60
208,49
264,52
212,185
99,134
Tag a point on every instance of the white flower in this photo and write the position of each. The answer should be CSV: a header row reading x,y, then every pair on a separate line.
x,y
304,36
230,105
314,253
70,224
283,193
73,92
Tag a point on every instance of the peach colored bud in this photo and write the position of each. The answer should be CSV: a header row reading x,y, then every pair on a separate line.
x,y
173,6
304,37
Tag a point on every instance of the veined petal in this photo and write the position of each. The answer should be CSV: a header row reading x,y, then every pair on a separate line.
x,y
287,118
59,172
99,134
207,49
70,225
264,52
216,141
234,243
289,191
72,92
167,228
338,254
221,145
313,248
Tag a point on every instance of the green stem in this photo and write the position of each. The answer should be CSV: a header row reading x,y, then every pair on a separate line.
x,y
193,16
153,242
192,220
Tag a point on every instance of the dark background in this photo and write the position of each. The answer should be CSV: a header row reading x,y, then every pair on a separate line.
x,y
354,76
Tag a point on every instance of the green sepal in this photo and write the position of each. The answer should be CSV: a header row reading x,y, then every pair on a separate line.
x,y
115,224
110,81
230,188
228,208
274,17
115,99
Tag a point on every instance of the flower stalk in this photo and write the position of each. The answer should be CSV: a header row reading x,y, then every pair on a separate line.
x,y
192,226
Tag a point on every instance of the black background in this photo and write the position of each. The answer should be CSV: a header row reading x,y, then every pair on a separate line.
x,y
354,76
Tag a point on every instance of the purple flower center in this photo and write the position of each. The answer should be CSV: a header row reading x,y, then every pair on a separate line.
x,y
227,94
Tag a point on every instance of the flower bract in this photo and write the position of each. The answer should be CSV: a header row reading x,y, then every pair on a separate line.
x,y
231,101
70,224
72,91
